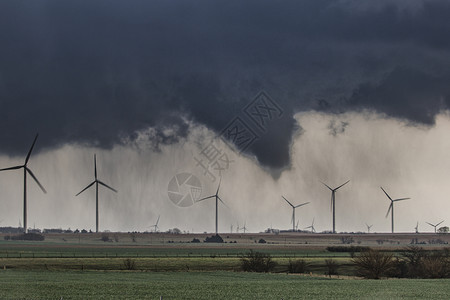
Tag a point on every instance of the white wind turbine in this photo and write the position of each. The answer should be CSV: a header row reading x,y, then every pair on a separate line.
x,y
312,227
216,196
96,182
391,207
25,171
333,202
293,211
155,227
435,225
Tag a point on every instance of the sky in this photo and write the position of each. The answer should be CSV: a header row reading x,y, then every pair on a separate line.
x,y
326,91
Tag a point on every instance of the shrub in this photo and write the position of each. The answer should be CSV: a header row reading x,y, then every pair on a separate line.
x,y
346,248
347,240
31,236
433,267
255,261
412,258
195,240
435,264
419,263
129,264
374,264
214,239
332,267
133,237
298,266
262,241
105,238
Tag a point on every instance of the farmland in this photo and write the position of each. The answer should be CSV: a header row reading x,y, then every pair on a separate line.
x,y
174,267
208,285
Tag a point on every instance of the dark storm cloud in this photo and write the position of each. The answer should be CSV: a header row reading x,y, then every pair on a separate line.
x,y
406,94
94,72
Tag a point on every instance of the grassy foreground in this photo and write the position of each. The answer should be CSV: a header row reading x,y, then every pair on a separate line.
x,y
207,285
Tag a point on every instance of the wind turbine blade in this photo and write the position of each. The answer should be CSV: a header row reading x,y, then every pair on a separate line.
x,y
224,203
35,179
439,223
218,187
95,167
206,198
31,149
11,168
157,221
288,201
86,188
107,186
429,224
390,207
341,185
301,204
386,193
327,186
400,199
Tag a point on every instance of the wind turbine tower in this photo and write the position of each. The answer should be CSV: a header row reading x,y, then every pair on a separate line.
x,y
25,171
333,202
96,182
391,207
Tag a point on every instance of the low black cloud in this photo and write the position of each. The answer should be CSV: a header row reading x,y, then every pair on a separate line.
x,y
95,72
406,94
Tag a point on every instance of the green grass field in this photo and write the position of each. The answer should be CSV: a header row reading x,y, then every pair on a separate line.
x,y
91,269
207,285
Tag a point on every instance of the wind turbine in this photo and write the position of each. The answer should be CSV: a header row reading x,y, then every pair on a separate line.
x,y
96,182
155,227
244,228
333,203
391,207
216,195
312,227
293,211
368,227
417,227
435,226
25,171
